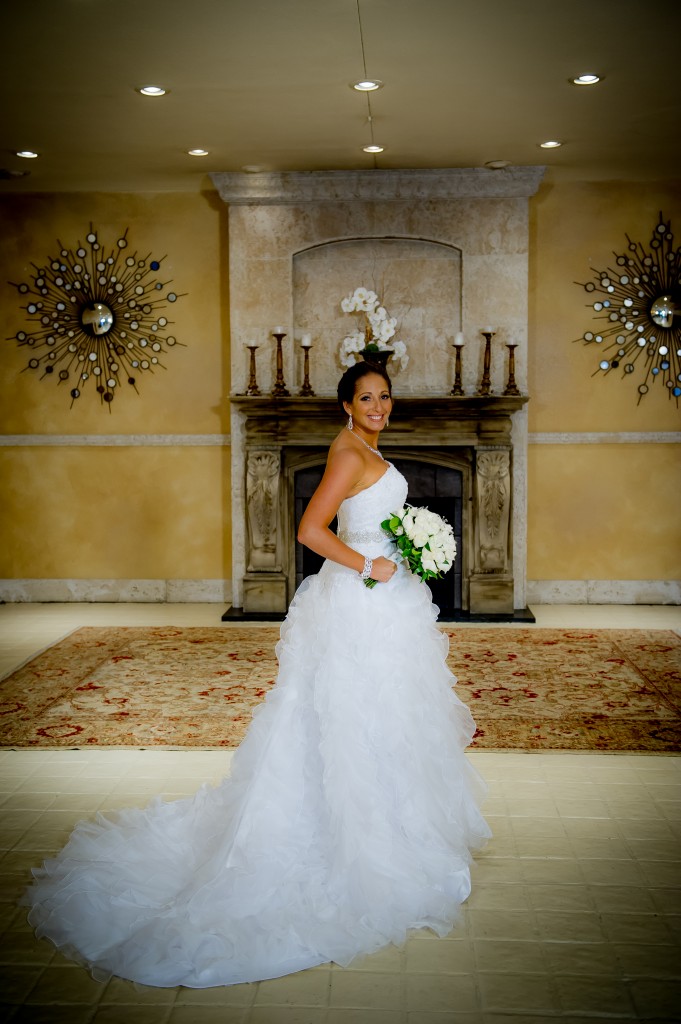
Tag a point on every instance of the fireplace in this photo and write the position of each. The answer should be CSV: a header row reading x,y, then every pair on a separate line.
x,y
457,455
447,250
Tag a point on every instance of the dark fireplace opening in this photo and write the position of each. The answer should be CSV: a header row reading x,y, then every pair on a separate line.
x,y
440,488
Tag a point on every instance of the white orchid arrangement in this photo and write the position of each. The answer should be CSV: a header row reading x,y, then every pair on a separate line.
x,y
424,540
379,329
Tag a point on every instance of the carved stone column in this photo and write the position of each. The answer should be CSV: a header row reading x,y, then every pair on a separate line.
x,y
264,583
491,583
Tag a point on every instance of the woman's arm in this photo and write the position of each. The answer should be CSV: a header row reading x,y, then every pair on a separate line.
x,y
344,471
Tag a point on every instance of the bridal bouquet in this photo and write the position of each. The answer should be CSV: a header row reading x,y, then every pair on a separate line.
x,y
378,330
424,540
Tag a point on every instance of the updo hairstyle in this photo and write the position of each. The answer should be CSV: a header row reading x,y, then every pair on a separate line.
x,y
347,385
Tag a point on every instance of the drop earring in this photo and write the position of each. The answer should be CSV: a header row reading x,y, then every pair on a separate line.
x,y
350,422
387,422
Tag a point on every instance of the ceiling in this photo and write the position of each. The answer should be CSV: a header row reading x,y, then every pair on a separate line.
x,y
265,84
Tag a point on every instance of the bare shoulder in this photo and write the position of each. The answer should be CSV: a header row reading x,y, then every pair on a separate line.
x,y
345,461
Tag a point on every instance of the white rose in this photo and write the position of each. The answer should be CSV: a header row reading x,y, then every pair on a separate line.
x,y
428,563
420,537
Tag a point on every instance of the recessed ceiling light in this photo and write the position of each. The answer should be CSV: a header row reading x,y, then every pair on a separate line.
x,y
367,84
27,154
497,165
586,79
373,149
152,90
551,144
197,152
253,168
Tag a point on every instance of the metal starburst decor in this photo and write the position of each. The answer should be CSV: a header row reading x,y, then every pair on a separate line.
x,y
640,304
97,315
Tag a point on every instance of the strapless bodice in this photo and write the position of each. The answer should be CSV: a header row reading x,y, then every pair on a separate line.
x,y
360,517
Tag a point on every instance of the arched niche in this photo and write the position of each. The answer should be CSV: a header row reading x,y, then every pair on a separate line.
x,y
419,281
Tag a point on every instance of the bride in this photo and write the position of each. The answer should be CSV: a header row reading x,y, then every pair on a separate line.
x,y
350,810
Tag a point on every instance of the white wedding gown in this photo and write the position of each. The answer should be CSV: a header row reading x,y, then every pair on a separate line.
x,y
348,817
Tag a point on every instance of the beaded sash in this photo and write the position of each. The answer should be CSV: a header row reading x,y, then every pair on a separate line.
x,y
362,536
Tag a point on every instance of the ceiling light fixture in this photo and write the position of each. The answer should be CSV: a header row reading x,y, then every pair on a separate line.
x,y
367,85
497,165
27,154
551,144
197,152
152,90
586,80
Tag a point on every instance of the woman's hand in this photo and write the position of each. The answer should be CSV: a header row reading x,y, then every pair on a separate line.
x,y
383,569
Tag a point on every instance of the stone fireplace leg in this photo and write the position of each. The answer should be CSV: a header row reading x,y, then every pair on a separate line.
x,y
264,584
491,582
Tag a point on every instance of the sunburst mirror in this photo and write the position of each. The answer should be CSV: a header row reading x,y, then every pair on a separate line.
x,y
98,316
639,304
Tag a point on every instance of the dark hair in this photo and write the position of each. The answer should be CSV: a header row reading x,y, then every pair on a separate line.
x,y
347,385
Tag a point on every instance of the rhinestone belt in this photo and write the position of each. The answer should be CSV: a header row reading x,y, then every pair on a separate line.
x,y
362,536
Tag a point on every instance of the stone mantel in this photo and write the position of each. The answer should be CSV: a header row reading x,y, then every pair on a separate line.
x,y
417,421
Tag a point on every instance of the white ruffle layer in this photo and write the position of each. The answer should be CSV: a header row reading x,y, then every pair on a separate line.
x,y
347,820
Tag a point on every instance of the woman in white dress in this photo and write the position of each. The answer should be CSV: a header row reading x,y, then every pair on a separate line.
x,y
351,810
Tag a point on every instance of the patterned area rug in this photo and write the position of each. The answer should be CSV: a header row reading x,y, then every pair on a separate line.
x,y
529,689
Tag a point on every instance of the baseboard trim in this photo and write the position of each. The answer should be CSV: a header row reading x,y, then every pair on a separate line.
x,y
604,592
216,591
116,591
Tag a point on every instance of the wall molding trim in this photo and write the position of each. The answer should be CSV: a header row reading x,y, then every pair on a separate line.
x,y
608,437
274,187
225,440
114,440
116,591
604,592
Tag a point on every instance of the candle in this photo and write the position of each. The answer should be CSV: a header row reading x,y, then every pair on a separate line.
x,y
251,344
458,340
488,330
278,330
306,341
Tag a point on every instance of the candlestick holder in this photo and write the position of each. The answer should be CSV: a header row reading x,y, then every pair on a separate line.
x,y
485,382
280,390
252,388
511,386
457,389
306,390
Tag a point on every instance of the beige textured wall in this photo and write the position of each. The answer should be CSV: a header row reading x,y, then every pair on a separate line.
x,y
595,511
130,512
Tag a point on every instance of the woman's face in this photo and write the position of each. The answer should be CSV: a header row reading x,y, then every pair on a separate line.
x,y
371,404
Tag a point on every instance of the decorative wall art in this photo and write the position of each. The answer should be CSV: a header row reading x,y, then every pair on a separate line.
x,y
97,315
640,304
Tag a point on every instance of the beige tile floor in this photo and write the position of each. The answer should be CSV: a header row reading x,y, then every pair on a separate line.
x,y
576,904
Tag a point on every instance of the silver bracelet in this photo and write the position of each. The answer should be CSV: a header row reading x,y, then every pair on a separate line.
x,y
366,571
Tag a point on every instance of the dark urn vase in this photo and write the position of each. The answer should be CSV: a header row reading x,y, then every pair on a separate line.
x,y
376,356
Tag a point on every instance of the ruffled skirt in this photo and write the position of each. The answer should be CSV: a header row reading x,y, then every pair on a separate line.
x,y
348,818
